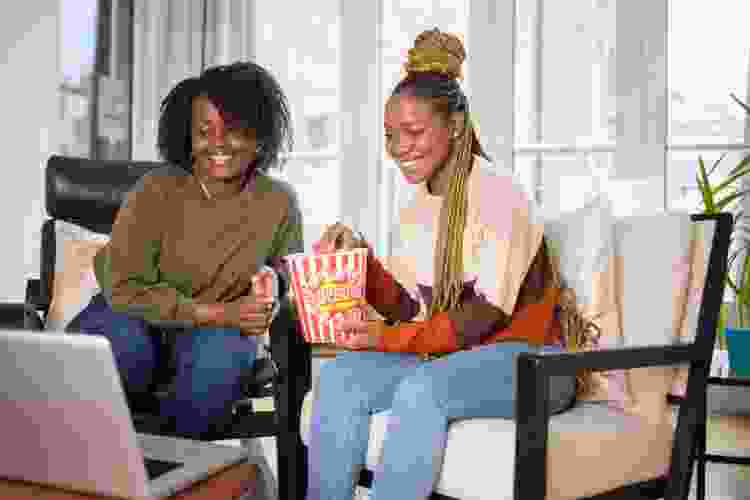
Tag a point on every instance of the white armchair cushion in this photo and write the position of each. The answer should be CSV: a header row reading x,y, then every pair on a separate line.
x,y
582,243
480,452
661,264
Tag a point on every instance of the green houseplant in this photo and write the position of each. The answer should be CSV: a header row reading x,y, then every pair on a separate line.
x,y
727,195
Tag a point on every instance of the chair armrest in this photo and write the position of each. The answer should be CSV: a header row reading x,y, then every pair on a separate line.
x,y
34,295
292,356
20,316
619,358
532,397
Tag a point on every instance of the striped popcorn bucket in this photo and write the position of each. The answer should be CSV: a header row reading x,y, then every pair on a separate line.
x,y
327,289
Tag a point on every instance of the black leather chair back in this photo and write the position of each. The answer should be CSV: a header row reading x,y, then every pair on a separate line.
x,y
83,192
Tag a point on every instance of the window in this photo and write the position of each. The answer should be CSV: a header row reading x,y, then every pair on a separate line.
x,y
593,94
565,105
94,95
703,118
304,57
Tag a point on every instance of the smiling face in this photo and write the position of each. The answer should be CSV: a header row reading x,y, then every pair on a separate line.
x,y
222,149
417,138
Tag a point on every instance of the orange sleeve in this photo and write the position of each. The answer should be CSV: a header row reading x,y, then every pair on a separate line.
x,y
425,337
386,295
532,323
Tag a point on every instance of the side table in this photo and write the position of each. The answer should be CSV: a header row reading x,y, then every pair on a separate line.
x,y
700,452
236,482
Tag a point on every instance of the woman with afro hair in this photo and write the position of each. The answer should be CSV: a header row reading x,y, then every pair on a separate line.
x,y
198,243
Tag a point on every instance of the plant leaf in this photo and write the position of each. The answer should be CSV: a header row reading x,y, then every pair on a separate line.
x,y
729,199
716,163
733,286
705,187
737,100
732,178
740,165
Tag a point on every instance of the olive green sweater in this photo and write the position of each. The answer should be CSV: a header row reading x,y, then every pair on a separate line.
x,y
172,247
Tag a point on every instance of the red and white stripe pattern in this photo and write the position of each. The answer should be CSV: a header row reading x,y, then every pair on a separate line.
x,y
317,328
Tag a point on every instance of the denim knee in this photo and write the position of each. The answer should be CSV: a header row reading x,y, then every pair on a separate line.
x,y
209,365
133,347
213,356
416,391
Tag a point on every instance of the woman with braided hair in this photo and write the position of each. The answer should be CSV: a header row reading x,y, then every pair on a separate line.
x,y
469,286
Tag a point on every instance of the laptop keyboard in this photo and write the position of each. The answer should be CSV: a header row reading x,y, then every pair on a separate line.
x,y
156,468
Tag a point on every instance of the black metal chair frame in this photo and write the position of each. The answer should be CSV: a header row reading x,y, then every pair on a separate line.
x,y
532,392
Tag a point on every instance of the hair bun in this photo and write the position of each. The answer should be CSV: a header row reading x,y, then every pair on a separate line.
x,y
436,52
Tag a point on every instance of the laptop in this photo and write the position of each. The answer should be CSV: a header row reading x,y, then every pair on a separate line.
x,y
64,421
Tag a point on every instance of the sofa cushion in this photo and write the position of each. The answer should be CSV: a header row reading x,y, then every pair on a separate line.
x,y
582,243
636,449
660,287
74,283
607,261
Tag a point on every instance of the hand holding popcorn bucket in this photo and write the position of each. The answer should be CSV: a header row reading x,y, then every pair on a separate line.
x,y
327,289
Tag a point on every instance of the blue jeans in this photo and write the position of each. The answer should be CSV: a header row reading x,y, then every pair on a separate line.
x,y
208,363
423,397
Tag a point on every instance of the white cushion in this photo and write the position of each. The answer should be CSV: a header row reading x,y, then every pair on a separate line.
x,y
654,252
74,281
480,452
661,263
583,241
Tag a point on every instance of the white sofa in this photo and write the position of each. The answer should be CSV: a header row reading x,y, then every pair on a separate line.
x,y
645,275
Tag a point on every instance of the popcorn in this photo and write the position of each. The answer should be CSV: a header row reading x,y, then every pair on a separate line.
x,y
328,289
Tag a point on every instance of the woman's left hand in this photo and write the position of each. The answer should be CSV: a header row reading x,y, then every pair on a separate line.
x,y
363,335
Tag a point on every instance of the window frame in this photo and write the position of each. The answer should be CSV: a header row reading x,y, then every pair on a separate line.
x,y
106,64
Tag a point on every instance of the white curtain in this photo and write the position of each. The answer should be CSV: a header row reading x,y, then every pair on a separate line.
x,y
173,40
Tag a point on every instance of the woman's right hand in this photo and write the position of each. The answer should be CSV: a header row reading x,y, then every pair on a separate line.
x,y
251,313
338,237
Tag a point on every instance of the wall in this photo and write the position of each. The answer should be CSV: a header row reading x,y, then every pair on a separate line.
x,y
29,75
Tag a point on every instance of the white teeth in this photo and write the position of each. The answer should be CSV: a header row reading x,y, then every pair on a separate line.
x,y
408,164
220,158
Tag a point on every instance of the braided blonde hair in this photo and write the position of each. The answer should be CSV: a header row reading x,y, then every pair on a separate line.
x,y
449,253
436,60
577,332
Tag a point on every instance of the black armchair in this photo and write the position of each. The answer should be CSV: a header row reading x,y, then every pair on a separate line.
x,y
534,371
88,193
